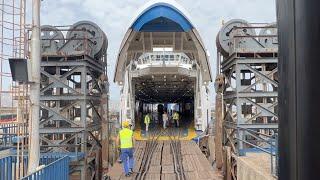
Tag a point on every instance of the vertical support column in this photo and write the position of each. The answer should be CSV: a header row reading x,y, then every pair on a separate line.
x,y
238,106
133,102
83,119
105,132
219,85
34,140
299,94
125,97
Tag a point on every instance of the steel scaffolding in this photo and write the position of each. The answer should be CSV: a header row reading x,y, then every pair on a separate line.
x,y
249,66
73,98
13,96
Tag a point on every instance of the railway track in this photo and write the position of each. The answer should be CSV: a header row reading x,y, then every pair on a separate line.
x,y
150,148
175,145
170,159
151,145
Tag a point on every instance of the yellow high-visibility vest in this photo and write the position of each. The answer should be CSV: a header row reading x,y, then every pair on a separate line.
x,y
126,138
147,119
176,116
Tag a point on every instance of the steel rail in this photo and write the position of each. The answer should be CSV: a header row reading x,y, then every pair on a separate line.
x,y
150,148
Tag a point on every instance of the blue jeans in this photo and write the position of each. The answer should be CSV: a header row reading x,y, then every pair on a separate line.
x,y
127,159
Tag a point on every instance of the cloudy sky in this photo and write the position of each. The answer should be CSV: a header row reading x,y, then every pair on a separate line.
x,y
114,17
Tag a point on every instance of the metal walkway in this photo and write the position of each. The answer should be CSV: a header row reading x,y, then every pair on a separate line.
x,y
167,160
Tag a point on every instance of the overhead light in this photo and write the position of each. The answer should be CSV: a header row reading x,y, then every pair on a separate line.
x,y
175,76
152,76
165,79
164,76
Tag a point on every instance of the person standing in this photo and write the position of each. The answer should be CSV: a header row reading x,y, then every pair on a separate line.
x,y
165,119
126,141
176,118
147,120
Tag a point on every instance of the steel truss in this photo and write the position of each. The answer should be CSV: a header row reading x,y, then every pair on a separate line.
x,y
71,116
250,95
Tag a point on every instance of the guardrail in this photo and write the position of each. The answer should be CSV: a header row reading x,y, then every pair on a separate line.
x,y
160,59
257,142
12,134
12,167
7,131
7,168
58,169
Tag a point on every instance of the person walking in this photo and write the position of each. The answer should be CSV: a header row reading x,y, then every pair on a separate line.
x,y
165,119
176,118
126,141
147,120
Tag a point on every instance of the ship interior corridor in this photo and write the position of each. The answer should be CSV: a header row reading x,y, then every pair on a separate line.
x,y
157,94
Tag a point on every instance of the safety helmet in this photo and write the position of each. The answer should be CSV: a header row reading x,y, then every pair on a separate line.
x,y
126,124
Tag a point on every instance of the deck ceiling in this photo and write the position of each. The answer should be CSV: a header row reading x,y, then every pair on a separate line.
x,y
146,41
164,88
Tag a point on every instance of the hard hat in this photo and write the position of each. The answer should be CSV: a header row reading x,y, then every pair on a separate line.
x,y
125,124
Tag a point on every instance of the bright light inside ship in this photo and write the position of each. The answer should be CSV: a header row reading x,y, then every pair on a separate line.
x,y
162,49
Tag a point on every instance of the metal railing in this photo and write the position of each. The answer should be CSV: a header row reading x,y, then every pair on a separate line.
x,y
7,132
164,59
11,167
7,168
58,169
12,134
256,142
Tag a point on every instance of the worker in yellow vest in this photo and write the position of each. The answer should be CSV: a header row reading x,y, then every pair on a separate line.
x,y
126,141
147,120
176,118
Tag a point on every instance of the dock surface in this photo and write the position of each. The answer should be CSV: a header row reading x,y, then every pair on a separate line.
x,y
167,160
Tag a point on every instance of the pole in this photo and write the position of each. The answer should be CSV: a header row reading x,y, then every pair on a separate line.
x,y
34,149
299,95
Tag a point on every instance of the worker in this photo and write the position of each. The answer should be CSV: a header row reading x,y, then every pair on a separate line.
x,y
165,119
176,118
126,141
147,120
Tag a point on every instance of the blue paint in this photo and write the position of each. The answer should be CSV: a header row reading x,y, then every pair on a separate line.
x,y
162,19
58,169
270,150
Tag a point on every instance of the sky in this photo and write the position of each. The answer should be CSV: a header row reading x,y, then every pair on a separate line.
x,y
115,16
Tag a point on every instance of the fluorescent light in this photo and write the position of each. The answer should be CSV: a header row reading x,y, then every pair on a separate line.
x,y
162,49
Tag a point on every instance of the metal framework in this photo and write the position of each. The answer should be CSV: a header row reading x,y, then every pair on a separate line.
x,y
250,94
73,110
13,96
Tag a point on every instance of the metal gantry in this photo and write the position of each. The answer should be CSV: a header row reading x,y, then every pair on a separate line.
x,y
249,65
73,91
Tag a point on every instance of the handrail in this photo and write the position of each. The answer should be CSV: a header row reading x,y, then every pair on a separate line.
x,y
271,141
149,58
58,169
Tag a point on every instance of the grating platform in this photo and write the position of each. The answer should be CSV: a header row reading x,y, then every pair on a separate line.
x,y
165,165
